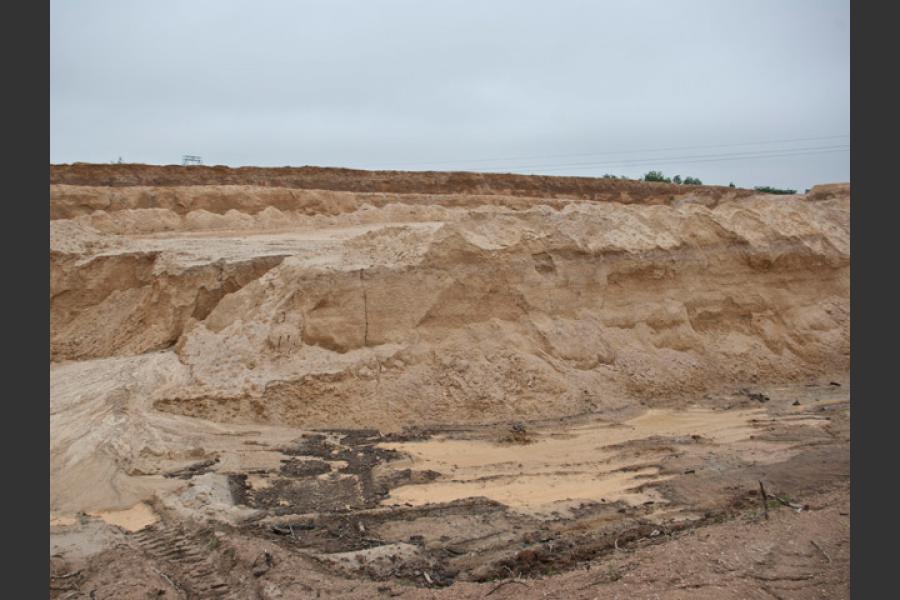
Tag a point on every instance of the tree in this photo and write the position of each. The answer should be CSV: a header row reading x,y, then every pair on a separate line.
x,y
677,179
767,189
692,181
657,176
731,185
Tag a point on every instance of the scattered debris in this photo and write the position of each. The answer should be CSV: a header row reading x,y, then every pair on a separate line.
x,y
518,434
759,397
819,548
764,499
262,564
193,470
785,502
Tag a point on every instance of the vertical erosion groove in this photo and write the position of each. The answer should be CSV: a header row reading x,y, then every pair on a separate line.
x,y
365,308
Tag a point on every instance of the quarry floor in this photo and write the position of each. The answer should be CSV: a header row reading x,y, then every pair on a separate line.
x,y
662,502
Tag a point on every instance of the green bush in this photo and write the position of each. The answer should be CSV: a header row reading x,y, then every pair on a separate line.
x,y
657,176
765,189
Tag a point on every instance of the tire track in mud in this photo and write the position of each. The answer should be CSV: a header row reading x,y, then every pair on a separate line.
x,y
186,562
353,532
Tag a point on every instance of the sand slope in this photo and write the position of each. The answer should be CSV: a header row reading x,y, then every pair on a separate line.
x,y
436,310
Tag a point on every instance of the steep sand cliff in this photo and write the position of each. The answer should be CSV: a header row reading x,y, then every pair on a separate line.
x,y
341,309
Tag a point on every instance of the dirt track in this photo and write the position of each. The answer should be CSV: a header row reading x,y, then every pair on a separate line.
x,y
417,384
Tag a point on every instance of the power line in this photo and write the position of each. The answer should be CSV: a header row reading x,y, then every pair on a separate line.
x,y
652,162
631,161
606,153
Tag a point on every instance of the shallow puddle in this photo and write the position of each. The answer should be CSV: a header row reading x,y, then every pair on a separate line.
x,y
555,471
135,518
62,520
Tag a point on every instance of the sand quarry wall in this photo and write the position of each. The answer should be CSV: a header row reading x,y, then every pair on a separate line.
x,y
424,301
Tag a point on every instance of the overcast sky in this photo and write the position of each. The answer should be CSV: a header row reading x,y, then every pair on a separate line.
x,y
753,93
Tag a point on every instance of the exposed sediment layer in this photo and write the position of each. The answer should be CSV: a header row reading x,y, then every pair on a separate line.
x,y
340,309
395,182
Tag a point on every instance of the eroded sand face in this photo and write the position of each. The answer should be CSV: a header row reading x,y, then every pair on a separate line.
x,y
186,334
410,310
561,469
242,353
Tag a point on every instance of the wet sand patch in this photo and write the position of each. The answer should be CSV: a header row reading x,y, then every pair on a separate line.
x,y
553,471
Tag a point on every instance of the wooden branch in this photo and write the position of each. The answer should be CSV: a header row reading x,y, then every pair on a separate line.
x,y
762,491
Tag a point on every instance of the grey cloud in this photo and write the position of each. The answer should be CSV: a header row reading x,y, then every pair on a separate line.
x,y
398,84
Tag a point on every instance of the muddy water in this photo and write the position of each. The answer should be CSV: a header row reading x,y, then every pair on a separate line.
x,y
135,518
62,520
561,469
132,519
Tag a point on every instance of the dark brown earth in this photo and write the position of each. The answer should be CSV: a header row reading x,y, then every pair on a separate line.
x,y
352,180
